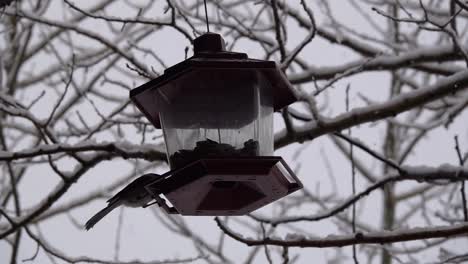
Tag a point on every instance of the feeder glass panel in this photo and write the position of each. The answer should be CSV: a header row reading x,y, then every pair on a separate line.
x,y
216,113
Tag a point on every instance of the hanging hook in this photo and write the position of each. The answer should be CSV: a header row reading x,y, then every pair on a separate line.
x,y
206,17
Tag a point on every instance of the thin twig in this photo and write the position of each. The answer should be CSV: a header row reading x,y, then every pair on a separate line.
x,y
462,188
353,179
374,154
265,247
278,35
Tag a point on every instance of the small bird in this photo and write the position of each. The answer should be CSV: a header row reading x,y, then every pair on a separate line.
x,y
133,195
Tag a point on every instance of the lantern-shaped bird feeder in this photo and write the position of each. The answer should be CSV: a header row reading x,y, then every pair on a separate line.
x,y
216,111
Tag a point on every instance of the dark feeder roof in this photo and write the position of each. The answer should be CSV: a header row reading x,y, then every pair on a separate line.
x,y
210,53
224,185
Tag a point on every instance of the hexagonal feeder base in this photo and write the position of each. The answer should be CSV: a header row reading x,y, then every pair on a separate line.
x,y
225,186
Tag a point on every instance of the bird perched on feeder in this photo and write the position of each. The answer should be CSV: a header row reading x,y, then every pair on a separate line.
x,y
133,195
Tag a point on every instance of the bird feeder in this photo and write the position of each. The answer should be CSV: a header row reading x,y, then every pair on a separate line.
x,y
216,112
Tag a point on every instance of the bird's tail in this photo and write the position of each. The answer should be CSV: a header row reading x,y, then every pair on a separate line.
x,y
99,215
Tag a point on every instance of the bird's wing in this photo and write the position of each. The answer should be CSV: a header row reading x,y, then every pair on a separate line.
x,y
140,182
117,195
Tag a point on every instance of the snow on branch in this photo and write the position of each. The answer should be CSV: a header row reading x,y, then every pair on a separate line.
x,y
390,108
125,150
381,237
441,174
381,62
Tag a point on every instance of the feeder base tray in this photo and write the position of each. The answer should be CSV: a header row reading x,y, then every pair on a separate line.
x,y
225,186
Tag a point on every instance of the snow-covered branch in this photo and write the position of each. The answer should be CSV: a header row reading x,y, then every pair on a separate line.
x,y
391,108
382,237
121,149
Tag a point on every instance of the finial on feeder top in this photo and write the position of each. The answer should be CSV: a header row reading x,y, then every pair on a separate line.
x,y
209,42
